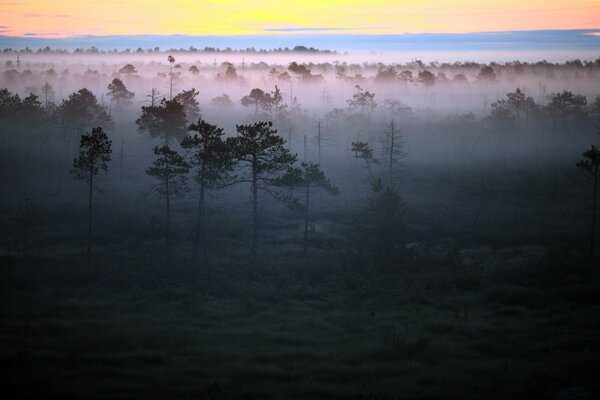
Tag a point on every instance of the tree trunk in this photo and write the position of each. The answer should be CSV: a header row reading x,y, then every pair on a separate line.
x,y
200,233
391,153
168,224
89,235
254,210
319,143
306,219
593,233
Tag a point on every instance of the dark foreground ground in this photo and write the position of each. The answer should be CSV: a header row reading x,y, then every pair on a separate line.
x,y
527,331
494,298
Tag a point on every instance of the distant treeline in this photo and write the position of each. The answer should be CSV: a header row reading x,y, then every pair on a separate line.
x,y
157,50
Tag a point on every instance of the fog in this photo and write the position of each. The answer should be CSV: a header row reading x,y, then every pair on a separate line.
x,y
449,185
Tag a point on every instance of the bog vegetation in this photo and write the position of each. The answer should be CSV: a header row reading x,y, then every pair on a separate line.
x,y
298,228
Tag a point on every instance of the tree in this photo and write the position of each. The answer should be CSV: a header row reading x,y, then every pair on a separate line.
x,y
521,104
230,71
278,105
303,72
95,153
486,74
171,60
393,150
10,105
385,75
259,99
212,160
81,111
170,169
308,176
566,105
363,151
31,111
119,93
397,108
48,94
502,113
590,166
128,69
594,108
191,107
427,78
380,226
362,100
262,150
222,101
166,120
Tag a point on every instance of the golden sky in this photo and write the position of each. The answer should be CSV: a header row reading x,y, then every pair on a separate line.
x,y
56,18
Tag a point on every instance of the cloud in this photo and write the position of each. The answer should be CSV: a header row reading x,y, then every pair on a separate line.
x,y
305,29
31,34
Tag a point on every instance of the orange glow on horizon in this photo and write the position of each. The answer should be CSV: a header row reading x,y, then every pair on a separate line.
x,y
62,18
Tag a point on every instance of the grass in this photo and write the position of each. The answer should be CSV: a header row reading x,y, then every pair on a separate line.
x,y
420,334
494,299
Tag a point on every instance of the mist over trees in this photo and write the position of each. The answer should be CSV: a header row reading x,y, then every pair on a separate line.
x,y
324,212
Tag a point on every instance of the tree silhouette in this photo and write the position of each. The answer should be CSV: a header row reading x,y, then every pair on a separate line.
x,y
212,161
95,153
380,226
362,100
171,60
590,166
48,94
191,107
222,101
170,169
119,93
262,150
230,71
278,105
128,69
393,150
521,104
427,78
81,111
363,151
166,120
502,113
486,74
566,105
308,176
259,99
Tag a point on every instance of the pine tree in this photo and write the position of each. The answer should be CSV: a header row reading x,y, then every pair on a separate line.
x,y
119,93
170,169
95,153
212,161
363,151
590,166
191,107
166,121
309,176
262,150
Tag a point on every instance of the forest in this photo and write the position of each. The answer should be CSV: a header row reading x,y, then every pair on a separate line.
x,y
297,224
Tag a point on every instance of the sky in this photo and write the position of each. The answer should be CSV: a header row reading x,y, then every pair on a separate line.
x,y
66,18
